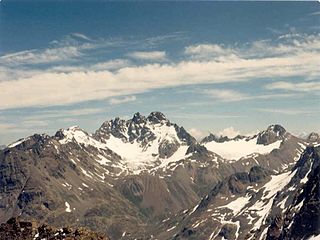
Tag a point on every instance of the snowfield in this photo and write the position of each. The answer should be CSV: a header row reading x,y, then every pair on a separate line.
x,y
236,149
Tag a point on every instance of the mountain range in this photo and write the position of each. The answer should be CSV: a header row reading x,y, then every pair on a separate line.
x,y
148,178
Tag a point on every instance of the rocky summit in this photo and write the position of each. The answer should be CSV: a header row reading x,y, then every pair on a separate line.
x,y
148,178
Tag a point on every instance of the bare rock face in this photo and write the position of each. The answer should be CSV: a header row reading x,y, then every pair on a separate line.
x,y
271,135
258,174
157,117
274,231
228,231
313,137
304,220
220,139
167,148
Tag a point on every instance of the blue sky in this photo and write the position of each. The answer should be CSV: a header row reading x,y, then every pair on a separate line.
x,y
222,67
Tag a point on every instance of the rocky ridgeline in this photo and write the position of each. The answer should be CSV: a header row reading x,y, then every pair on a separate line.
x,y
148,178
14,229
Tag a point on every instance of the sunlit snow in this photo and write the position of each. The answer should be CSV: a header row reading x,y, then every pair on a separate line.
x,y
68,209
236,149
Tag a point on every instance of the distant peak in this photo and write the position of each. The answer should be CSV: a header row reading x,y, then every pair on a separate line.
x,y
221,138
277,128
272,134
138,118
74,128
313,137
157,117
70,131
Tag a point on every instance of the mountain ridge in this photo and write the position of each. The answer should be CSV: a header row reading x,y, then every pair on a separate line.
x,y
87,180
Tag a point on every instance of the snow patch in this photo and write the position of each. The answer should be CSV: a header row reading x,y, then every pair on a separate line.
x,y
170,229
305,179
237,205
68,209
237,149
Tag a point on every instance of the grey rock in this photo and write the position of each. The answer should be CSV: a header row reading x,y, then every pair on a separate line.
x,y
271,135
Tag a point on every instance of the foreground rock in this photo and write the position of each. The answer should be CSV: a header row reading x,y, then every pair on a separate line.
x,y
14,229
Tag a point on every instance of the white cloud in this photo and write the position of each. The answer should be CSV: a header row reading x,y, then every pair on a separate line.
x,y
287,44
112,64
55,87
229,132
45,56
81,36
126,99
297,87
198,134
153,55
206,51
229,95
226,95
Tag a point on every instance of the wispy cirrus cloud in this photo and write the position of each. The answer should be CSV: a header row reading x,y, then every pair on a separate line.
x,y
151,55
127,99
207,51
295,87
82,36
286,45
112,64
41,56
229,95
70,47
73,84
226,95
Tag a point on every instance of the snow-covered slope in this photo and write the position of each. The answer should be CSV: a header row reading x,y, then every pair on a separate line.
x,y
238,148
141,143
241,146
137,156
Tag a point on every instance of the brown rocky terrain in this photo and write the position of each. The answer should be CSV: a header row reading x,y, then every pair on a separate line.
x,y
143,178
15,229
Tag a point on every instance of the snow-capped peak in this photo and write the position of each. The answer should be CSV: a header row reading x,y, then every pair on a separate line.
x,y
141,142
74,133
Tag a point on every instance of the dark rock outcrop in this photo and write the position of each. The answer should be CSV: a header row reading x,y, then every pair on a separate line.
x,y
313,137
271,135
14,229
